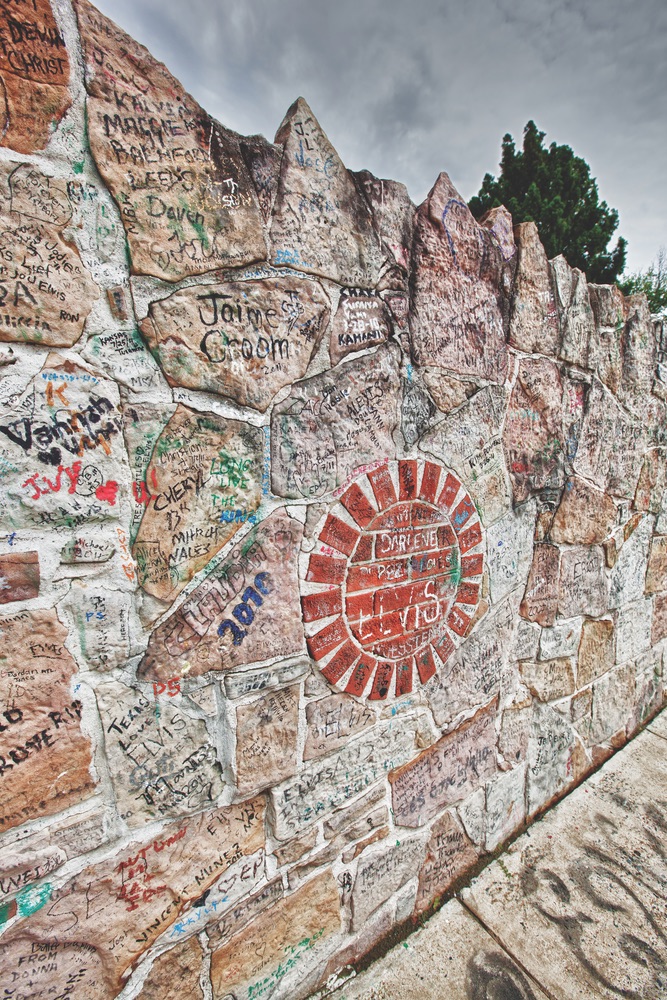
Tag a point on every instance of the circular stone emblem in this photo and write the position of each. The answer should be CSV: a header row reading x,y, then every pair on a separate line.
x,y
396,574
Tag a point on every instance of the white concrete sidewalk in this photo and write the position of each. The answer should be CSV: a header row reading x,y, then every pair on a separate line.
x,y
576,908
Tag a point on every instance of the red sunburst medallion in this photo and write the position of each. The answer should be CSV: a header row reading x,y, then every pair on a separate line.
x,y
396,574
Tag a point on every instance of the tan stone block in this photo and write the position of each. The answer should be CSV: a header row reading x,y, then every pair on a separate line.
x,y
533,432
282,945
659,628
198,212
241,339
381,874
362,320
549,680
540,600
449,855
575,313
266,739
175,974
446,772
264,569
534,318
19,577
596,651
584,517
656,572
292,850
582,585
331,721
203,468
44,756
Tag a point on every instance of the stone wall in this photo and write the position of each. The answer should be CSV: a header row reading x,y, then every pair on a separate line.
x,y
334,537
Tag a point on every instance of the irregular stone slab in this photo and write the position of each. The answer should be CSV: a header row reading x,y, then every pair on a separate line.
x,y
101,620
475,673
124,356
540,600
633,630
362,320
652,484
417,409
203,469
475,423
175,974
161,761
300,802
505,806
449,855
266,739
596,651
45,757
499,222
242,339
560,640
556,757
611,446
533,318
606,345
19,577
242,912
331,424
659,629
380,874
575,313
321,224
454,955
613,703
184,193
549,680
629,572
230,618
62,451
332,721
393,212
254,681
262,159
585,516
533,434
656,573
515,729
526,641
446,772
509,548
624,347
34,73
447,392
141,891
46,290
456,261
583,585
57,965
299,926
539,900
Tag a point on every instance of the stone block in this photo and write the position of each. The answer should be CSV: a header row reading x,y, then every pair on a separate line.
x,y
533,318
266,739
381,873
596,651
449,855
583,583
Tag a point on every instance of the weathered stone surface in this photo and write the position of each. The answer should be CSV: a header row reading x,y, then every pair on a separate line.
x,y
514,729
332,424
456,261
628,574
613,703
449,855
138,894
198,210
175,974
533,434
540,600
533,318
633,629
381,874
526,641
34,73
266,739
321,223
316,789
583,586
560,640
281,947
19,577
417,411
652,483
624,347
446,772
349,815
393,212
606,347
203,483
332,721
241,913
499,222
262,159
57,965
242,339
447,392
45,757
100,617
659,628
556,757
585,516
505,806
656,572
596,651
229,618
161,762
549,680
362,320
509,548
265,679
611,445
48,290
575,313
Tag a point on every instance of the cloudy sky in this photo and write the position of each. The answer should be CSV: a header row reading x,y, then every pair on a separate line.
x,y
407,88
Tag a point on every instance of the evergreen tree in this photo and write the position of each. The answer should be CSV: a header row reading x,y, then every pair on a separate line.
x,y
554,189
